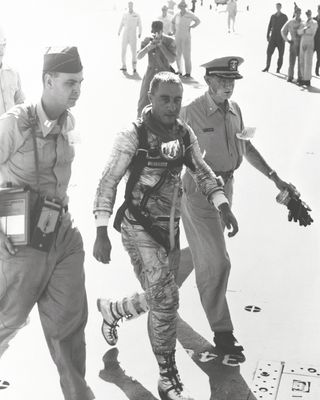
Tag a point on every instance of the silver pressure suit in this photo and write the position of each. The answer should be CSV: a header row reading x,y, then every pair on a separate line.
x,y
155,269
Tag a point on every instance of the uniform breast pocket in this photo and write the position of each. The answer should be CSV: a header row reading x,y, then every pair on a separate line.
x,y
208,140
26,152
46,149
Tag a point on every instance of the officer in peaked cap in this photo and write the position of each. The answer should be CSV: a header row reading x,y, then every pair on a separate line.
x,y
218,125
220,75
49,274
224,67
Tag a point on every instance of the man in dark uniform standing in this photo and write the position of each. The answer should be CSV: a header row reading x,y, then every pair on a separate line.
x,y
274,37
317,42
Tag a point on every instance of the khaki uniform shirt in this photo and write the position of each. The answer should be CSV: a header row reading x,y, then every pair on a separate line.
x,y
17,158
216,132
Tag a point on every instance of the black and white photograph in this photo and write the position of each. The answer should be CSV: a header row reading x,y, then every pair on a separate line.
x,y
159,200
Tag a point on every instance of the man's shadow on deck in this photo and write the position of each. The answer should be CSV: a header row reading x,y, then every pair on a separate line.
x,y
310,88
226,382
225,379
114,373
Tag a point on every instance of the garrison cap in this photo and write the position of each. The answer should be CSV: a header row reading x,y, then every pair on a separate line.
x,y
224,67
62,59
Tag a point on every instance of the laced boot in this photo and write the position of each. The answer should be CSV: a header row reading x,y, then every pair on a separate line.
x,y
226,343
170,386
113,312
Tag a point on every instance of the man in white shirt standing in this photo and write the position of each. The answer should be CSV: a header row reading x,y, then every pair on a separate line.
x,y
166,19
130,22
182,25
10,85
307,32
291,27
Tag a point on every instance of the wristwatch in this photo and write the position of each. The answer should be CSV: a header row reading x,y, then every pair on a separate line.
x,y
271,173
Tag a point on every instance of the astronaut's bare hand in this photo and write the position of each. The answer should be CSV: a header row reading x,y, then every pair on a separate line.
x,y
6,247
229,219
102,246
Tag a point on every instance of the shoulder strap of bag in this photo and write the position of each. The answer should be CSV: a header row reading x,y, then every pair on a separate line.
x,y
32,117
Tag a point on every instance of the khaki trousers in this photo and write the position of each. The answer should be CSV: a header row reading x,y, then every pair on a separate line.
x,y
55,281
204,232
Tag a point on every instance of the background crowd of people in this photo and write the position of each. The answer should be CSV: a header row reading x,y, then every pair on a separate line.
x,y
302,35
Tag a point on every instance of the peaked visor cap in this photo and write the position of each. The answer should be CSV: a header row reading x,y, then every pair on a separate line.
x,y
224,67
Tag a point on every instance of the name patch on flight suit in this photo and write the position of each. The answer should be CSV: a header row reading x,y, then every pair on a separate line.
x,y
205,130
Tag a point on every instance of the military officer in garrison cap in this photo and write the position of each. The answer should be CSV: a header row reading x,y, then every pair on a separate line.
x,y
219,127
36,150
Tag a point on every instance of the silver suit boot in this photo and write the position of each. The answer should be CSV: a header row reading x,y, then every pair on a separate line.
x,y
170,386
114,311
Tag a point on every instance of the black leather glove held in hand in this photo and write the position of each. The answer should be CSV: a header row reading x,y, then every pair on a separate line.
x,y
299,212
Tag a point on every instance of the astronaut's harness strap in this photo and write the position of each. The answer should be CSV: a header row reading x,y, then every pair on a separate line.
x,y
139,161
